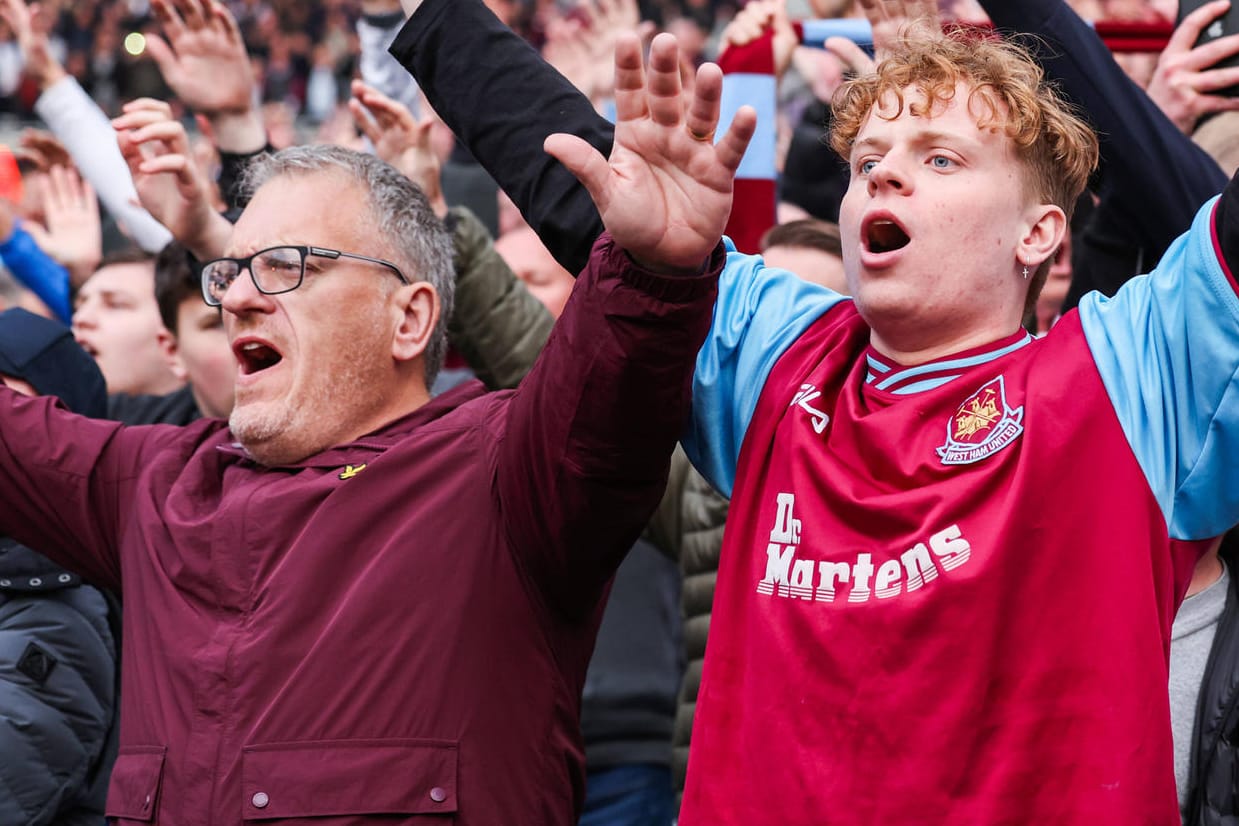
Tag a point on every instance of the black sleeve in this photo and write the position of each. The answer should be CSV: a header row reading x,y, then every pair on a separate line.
x,y
231,167
1152,178
502,100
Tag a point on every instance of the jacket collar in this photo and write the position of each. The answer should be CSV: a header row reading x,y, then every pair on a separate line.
x,y
383,438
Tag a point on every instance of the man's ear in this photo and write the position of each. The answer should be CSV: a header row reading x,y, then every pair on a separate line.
x,y
1046,225
418,308
172,354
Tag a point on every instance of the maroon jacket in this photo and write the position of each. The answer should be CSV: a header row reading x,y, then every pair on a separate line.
x,y
395,628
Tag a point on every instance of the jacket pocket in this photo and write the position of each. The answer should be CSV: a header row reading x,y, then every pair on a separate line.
x,y
133,792
327,778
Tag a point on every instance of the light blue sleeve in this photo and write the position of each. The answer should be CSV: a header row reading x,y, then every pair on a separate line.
x,y
1167,348
759,313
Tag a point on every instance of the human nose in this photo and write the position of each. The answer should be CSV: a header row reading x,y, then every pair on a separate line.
x,y
889,174
242,294
84,316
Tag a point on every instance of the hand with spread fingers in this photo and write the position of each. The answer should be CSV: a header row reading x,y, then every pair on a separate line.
x,y
43,149
568,49
1184,85
892,19
205,63
203,59
168,181
399,139
73,234
606,21
665,193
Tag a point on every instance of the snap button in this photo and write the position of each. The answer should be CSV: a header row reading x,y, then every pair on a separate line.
x,y
438,794
260,800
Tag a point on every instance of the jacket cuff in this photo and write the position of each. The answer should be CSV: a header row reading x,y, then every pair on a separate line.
x,y
405,44
673,289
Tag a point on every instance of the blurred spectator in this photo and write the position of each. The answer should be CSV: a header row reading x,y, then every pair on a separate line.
x,y
533,264
116,320
304,53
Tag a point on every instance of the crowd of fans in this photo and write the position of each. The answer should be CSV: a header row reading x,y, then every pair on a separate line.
x,y
303,54
146,115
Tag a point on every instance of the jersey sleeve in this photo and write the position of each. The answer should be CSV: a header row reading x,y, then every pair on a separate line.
x,y
1167,349
760,312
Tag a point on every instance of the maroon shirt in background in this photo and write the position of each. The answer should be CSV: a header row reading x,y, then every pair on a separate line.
x,y
396,627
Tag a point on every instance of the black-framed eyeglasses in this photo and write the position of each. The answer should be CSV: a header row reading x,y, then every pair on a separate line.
x,y
274,270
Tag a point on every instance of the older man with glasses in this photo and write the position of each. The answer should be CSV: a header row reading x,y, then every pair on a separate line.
x,y
353,603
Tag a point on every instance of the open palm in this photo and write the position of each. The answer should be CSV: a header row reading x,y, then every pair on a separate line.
x,y
204,59
665,193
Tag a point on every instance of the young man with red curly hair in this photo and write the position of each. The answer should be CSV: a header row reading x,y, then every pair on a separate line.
x,y
954,551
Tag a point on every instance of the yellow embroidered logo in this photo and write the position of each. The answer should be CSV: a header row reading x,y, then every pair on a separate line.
x,y
983,425
350,471
977,414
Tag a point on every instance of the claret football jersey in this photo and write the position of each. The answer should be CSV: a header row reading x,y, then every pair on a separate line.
x,y
946,591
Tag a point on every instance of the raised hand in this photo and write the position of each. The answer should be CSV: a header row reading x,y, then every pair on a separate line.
x,y
568,49
890,20
606,21
665,193
29,25
73,234
399,139
43,149
855,59
169,183
203,59
1183,84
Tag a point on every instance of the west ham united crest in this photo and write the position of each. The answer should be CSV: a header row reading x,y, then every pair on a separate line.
x,y
982,426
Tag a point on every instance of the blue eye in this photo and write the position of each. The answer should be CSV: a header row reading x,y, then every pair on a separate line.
x,y
941,162
867,166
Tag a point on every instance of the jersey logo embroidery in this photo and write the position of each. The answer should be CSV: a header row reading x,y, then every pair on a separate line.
x,y
982,426
807,394
350,471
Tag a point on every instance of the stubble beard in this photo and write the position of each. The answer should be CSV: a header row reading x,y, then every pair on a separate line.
x,y
319,414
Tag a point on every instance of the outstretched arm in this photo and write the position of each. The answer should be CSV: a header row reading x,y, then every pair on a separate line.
x,y
498,95
30,265
204,61
73,232
593,426
1156,176
1167,349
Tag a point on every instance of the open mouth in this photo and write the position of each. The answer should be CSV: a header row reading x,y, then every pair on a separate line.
x,y
255,356
884,235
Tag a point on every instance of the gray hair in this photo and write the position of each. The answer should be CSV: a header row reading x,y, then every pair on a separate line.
x,y
413,235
